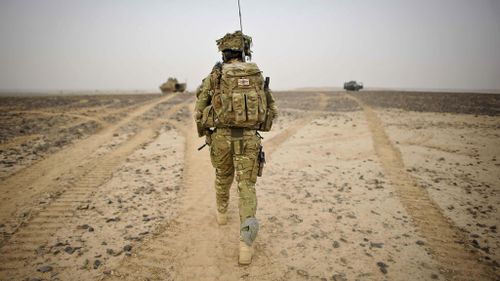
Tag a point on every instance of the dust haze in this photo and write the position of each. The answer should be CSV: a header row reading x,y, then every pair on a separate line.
x,y
127,45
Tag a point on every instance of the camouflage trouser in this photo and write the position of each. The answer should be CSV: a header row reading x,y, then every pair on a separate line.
x,y
238,154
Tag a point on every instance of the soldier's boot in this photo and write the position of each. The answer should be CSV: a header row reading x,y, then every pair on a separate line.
x,y
221,218
246,253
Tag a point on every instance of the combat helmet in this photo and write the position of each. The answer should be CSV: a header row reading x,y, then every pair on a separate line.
x,y
235,41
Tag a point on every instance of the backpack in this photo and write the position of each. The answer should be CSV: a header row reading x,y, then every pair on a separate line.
x,y
239,99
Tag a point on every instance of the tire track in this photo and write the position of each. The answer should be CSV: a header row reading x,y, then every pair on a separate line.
x,y
445,241
66,114
272,144
193,246
19,191
20,250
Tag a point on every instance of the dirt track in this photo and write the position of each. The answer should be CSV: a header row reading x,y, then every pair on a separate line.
x,y
135,201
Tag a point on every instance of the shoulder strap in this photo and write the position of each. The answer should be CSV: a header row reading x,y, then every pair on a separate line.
x,y
216,75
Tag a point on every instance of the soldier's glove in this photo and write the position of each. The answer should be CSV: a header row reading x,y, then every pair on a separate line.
x,y
208,139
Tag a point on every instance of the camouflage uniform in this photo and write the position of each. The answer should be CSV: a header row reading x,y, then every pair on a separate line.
x,y
238,155
235,101
232,154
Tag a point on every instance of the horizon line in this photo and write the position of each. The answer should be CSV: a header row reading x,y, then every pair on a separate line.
x,y
306,89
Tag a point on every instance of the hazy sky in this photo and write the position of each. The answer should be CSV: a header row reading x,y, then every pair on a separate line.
x,y
120,44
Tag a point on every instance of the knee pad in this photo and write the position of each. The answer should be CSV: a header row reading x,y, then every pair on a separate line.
x,y
248,230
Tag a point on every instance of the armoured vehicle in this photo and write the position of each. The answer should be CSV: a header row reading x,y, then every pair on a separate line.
x,y
172,85
353,86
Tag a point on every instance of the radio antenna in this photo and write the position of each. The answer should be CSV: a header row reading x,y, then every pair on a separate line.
x,y
239,12
243,57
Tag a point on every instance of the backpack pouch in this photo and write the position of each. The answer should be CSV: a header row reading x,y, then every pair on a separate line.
x,y
239,107
252,102
262,107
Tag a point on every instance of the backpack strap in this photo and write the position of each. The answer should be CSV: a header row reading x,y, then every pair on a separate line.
x,y
216,77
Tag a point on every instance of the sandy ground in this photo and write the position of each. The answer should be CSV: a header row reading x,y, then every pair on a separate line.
x,y
364,186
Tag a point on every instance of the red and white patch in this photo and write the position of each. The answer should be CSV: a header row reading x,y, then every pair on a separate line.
x,y
243,82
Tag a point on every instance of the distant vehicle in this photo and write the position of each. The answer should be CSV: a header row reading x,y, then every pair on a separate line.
x,y
353,86
180,87
172,85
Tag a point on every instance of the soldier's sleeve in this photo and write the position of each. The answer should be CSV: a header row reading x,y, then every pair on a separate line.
x,y
271,104
203,98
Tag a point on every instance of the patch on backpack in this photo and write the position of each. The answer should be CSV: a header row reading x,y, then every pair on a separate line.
x,y
243,82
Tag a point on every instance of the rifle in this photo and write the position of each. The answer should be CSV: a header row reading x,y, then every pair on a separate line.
x,y
261,158
203,146
266,83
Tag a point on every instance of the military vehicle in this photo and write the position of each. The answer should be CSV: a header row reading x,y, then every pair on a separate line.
x,y
172,85
353,86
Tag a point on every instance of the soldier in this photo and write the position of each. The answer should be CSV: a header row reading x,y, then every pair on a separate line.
x,y
233,104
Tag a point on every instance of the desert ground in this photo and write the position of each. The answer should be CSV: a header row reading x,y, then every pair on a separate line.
x,y
370,185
